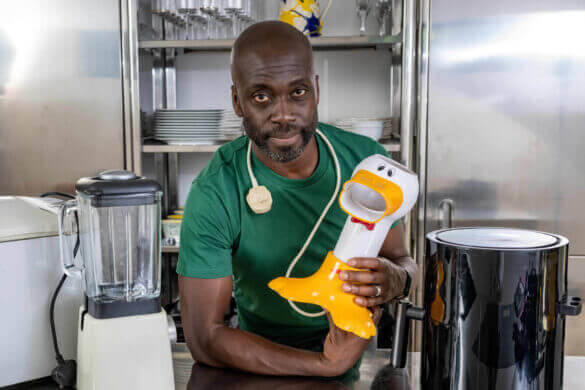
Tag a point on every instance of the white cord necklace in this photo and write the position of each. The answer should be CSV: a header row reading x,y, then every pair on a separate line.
x,y
259,198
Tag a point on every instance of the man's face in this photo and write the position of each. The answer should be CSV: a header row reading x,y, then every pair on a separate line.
x,y
277,97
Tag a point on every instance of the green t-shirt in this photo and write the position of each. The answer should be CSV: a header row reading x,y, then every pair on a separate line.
x,y
222,236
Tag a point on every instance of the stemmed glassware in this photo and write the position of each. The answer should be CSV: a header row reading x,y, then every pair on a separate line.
x,y
224,21
234,8
204,19
363,8
383,11
211,8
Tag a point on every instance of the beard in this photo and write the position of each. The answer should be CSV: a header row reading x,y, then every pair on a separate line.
x,y
283,154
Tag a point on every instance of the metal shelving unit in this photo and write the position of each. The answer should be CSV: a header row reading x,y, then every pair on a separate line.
x,y
321,43
391,147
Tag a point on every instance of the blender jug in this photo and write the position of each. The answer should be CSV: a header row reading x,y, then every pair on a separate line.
x,y
117,219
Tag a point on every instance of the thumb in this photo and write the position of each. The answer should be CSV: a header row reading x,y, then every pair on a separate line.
x,y
329,318
377,314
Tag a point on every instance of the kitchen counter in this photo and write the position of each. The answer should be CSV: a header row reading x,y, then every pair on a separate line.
x,y
374,374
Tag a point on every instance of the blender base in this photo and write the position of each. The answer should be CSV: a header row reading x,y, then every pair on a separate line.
x,y
125,352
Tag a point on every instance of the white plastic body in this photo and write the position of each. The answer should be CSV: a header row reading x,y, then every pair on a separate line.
x,y
29,272
124,353
30,269
356,240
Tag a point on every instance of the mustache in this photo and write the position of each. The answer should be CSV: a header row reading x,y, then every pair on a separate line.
x,y
284,130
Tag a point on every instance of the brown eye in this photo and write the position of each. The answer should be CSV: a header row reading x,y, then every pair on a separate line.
x,y
260,98
299,92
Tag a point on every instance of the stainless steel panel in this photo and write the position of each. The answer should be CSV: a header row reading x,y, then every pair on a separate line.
x,y
130,84
60,93
576,325
505,121
506,115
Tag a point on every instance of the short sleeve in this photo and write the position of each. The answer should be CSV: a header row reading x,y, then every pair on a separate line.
x,y
379,149
206,236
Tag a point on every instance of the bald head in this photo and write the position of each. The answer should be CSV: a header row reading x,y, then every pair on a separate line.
x,y
275,90
265,40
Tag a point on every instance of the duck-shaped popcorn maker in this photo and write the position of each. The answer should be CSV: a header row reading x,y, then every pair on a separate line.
x,y
379,193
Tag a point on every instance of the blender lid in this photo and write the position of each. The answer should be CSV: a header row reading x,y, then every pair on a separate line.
x,y
497,238
118,188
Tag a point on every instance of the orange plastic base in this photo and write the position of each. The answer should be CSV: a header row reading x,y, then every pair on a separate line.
x,y
323,288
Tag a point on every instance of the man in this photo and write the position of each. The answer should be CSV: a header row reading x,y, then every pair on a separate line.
x,y
224,244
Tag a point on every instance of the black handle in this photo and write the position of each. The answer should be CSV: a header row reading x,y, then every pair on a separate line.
x,y
570,306
405,311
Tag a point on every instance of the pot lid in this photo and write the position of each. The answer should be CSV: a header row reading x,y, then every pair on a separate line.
x,y
116,182
497,238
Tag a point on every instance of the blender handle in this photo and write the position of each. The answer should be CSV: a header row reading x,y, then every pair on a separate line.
x,y
405,311
65,216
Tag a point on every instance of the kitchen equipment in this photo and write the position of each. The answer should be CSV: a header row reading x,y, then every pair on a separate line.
x,y
363,9
123,339
211,9
373,129
472,66
29,272
350,123
383,10
171,232
495,301
379,193
305,16
234,8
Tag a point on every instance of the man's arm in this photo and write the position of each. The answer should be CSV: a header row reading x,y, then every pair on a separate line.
x,y
395,250
203,304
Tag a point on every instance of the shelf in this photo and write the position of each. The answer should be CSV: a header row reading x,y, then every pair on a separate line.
x,y
170,249
180,148
321,43
390,147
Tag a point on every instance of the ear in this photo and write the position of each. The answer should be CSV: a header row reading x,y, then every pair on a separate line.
x,y
236,102
316,89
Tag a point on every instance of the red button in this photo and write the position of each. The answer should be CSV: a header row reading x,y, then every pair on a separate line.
x,y
369,226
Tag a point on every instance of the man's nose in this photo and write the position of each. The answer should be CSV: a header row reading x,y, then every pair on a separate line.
x,y
282,113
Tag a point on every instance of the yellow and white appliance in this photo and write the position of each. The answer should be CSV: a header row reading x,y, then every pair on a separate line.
x,y
380,192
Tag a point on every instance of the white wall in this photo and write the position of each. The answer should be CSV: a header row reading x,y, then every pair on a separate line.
x,y
353,83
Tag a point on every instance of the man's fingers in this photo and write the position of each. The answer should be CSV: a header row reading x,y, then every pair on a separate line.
x,y
368,290
368,301
377,314
361,276
365,263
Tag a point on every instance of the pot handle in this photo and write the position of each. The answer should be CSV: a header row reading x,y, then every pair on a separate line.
x,y
570,306
405,311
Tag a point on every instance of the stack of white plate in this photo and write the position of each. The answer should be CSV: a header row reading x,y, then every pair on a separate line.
x,y
353,123
230,126
187,127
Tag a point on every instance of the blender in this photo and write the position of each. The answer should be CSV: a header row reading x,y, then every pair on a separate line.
x,y
114,228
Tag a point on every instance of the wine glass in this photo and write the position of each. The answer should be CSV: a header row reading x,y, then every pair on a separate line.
x,y
234,8
224,21
210,8
382,11
197,21
363,8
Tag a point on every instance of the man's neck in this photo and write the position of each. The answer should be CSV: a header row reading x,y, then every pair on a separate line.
x,y
300,168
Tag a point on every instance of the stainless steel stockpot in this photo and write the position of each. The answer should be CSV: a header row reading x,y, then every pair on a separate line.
x,y
495,301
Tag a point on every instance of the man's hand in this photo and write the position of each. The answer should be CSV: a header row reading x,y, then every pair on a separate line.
x,y
381,282
342,349
382,278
